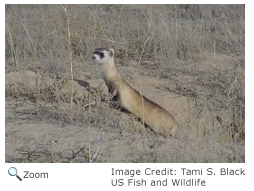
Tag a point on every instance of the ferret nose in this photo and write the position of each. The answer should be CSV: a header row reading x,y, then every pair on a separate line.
x,y
93,57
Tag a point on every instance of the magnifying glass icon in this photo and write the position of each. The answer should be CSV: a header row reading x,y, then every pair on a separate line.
x,y
13,172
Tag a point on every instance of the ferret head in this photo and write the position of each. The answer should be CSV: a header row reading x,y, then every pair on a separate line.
x,y
102,55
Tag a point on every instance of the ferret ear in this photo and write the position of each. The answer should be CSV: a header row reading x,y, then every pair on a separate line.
x,y
111,52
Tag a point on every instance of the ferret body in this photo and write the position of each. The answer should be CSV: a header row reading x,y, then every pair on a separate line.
x,y
153,115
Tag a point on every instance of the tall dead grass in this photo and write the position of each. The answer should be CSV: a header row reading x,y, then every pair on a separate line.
x,y
176,32
37,39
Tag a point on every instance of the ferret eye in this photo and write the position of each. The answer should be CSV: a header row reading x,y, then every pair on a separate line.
x,y
101,54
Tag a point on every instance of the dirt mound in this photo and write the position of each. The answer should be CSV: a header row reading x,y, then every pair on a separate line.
x,y
29,85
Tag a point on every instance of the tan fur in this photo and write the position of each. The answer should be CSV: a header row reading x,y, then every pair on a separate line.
x,y
156,117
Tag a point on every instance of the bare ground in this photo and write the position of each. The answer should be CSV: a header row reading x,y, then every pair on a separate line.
x,y
40,126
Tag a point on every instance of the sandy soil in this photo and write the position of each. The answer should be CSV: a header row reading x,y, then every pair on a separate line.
x,y
40,126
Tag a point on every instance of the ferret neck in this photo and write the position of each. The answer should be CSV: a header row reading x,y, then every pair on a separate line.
x,y
111,73
110,64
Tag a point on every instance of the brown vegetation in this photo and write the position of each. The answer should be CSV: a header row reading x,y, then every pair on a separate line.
x,y
192,64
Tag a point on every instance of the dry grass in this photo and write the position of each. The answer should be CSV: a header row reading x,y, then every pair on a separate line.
x,y
177,39
176,32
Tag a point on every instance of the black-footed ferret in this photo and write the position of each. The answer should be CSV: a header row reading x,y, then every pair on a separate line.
x,y
154,116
